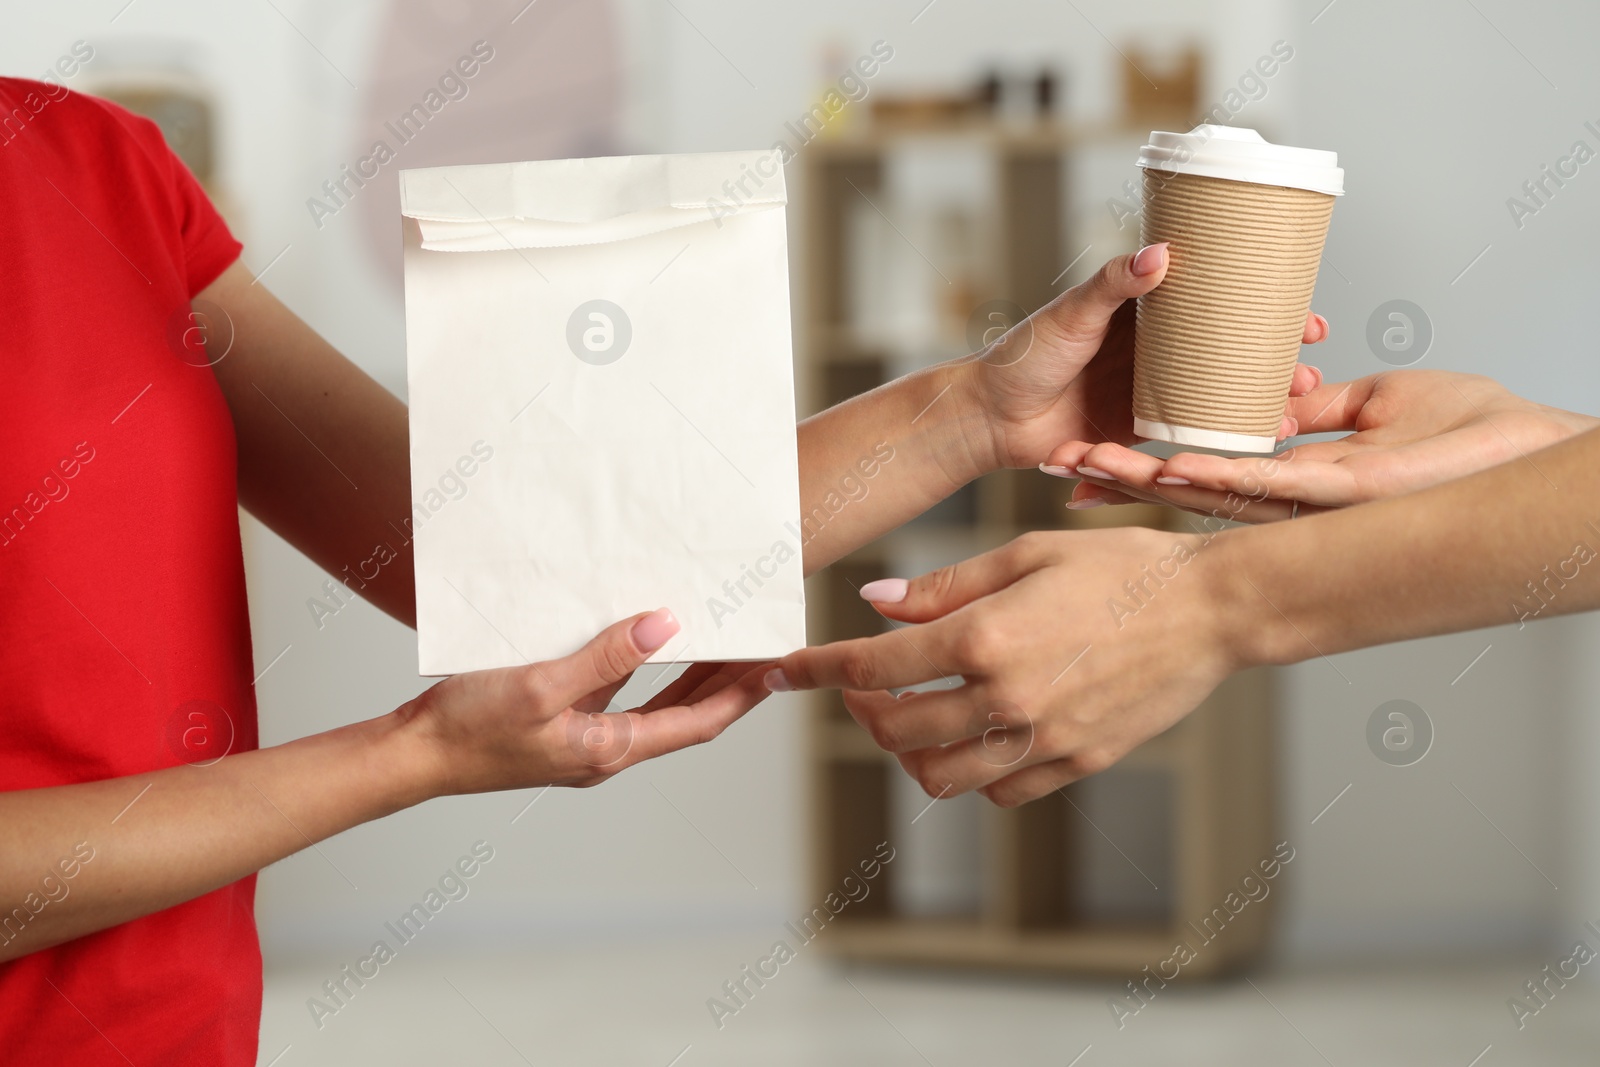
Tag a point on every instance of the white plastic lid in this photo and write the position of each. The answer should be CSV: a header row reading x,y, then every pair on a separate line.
x,y
1243,155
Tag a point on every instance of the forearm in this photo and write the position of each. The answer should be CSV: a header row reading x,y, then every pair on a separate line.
x,y
1508,544
872,463
155,840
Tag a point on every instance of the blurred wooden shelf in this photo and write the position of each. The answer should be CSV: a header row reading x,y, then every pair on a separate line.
x,y
973,943
1212,773
1043,136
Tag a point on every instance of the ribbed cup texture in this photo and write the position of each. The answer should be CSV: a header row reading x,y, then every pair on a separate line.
x,y
1218,339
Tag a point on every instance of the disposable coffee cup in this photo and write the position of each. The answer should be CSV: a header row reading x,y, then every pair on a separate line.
x,y
1218,339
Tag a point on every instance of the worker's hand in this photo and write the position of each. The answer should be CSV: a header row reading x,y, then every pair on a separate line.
x,y
1066,373
1412,429
546,723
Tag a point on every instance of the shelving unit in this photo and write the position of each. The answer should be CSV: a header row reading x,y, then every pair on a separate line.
x,y
1211,774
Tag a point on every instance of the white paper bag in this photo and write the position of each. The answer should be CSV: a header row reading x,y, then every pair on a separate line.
x,y
602,407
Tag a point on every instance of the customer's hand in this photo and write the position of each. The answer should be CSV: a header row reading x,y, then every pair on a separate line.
x,y
1413,429
546,724
1066,374
1064,671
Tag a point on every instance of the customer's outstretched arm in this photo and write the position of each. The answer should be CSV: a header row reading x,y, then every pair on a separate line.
x,y
1073,648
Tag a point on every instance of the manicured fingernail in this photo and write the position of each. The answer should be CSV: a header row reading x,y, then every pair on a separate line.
x,y
1085,504
655,630
1149,259
1326,329
1096,472
1057,472
1168,479
885,590
1316,372
776,681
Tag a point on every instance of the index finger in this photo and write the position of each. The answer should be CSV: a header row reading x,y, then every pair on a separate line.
x,y
906,655
1299,474
682,689
669,729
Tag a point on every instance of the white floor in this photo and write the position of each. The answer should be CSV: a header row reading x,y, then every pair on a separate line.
x,y
646,1004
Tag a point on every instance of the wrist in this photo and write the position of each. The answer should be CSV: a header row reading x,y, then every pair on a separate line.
x,y
406,757
1249,631
969,425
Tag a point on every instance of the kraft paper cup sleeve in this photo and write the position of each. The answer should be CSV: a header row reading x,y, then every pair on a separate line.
x,y
1217,341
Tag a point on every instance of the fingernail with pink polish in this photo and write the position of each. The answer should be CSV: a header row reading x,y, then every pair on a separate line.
x,y
1096,472
885,590
1085,504
1169,479
655,630
1057,472
1148,261
776,681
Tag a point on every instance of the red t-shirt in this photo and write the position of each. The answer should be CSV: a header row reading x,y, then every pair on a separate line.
x,y
124,639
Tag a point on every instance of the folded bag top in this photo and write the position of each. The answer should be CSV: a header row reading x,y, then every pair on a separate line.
x,y
565,202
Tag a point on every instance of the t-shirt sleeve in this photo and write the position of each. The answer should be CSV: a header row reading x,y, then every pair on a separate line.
x,y
208,247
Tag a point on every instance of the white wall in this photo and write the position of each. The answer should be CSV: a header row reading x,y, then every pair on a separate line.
x,y
1438,121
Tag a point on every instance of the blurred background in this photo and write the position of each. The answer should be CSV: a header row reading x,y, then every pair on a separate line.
x,y
985,162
